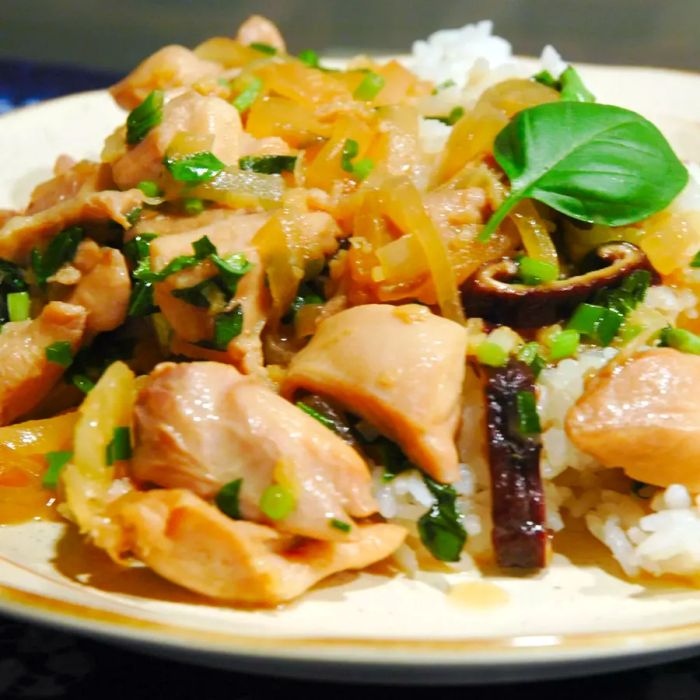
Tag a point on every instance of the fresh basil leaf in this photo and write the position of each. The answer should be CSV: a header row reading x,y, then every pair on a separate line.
x,y
144,117
572,87
593,162
269,165
441,529
194,168
61,250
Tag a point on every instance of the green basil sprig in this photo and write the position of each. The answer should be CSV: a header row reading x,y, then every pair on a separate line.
x,y
596,163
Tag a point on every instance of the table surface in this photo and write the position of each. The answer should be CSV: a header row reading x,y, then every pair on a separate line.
x,y
43,663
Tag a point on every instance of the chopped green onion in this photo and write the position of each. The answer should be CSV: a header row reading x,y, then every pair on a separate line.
x,y
530,355
564,344
362,168
350,150
305,295
59,353
134,215
248,95
194,168
227,326
443,86
629,332
598,323
263,48
310,58
60,251
11,281
441,529
138,247
528,419
144,117
18,304
203,247
323,420
268,165
149,188
193,205
120,446
452,118
340,525
277,502
681,339
228,499
85,384
695,262
370,86
491,354
631,292
56,461
533,272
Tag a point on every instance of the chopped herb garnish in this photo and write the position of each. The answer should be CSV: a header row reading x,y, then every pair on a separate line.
x,y
596,322
310,58
59,353
85,384
263,48
569,85
193,205
61,250
530,355
137,248
305,295
227,326
228,499
137,251
370,86
144,117
119,447
533,272
268,165
491,354
441,529
444,85
388,454
18,305
277,502
248,95
631,292
695,262
149,188
340,525
194,168
681,339
564,344
323,420
56,461
528,418
362,168
11,281
452,118
544,77
134,215
203,247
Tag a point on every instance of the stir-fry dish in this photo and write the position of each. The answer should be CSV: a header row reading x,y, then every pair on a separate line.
x,y
299,319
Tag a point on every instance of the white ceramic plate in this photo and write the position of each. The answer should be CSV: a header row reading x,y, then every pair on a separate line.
x,y
580,616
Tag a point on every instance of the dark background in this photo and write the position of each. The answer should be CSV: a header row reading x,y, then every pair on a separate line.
x,y
116,34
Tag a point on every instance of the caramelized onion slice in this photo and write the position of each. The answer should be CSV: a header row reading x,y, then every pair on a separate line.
x,y
519,535
492,295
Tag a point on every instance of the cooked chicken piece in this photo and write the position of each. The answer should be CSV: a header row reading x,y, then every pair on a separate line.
x,y
259,30
230,233
644,416
103,288
191,543
80,178
201,425
170,67
26,376
194,114
399,367
22,233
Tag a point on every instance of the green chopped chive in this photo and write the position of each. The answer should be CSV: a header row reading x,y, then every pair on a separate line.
x,y
85,384
18,304
263,48
350,150
315,414
60,251
305,295
629,331
144,117
138,247
228,499
340,525
59,353
681,339
452,118
441,529
227,326
194,168
362,168
268,165
631,292
598,323
310,58
564,344
533,272
119,447
277,502
134,215
370,86
248,95
193,205
530,355
149,188
56,461
491,354
695,262
528,419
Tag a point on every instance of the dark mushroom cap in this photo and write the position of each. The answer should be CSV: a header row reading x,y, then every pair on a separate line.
x,y
490,294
